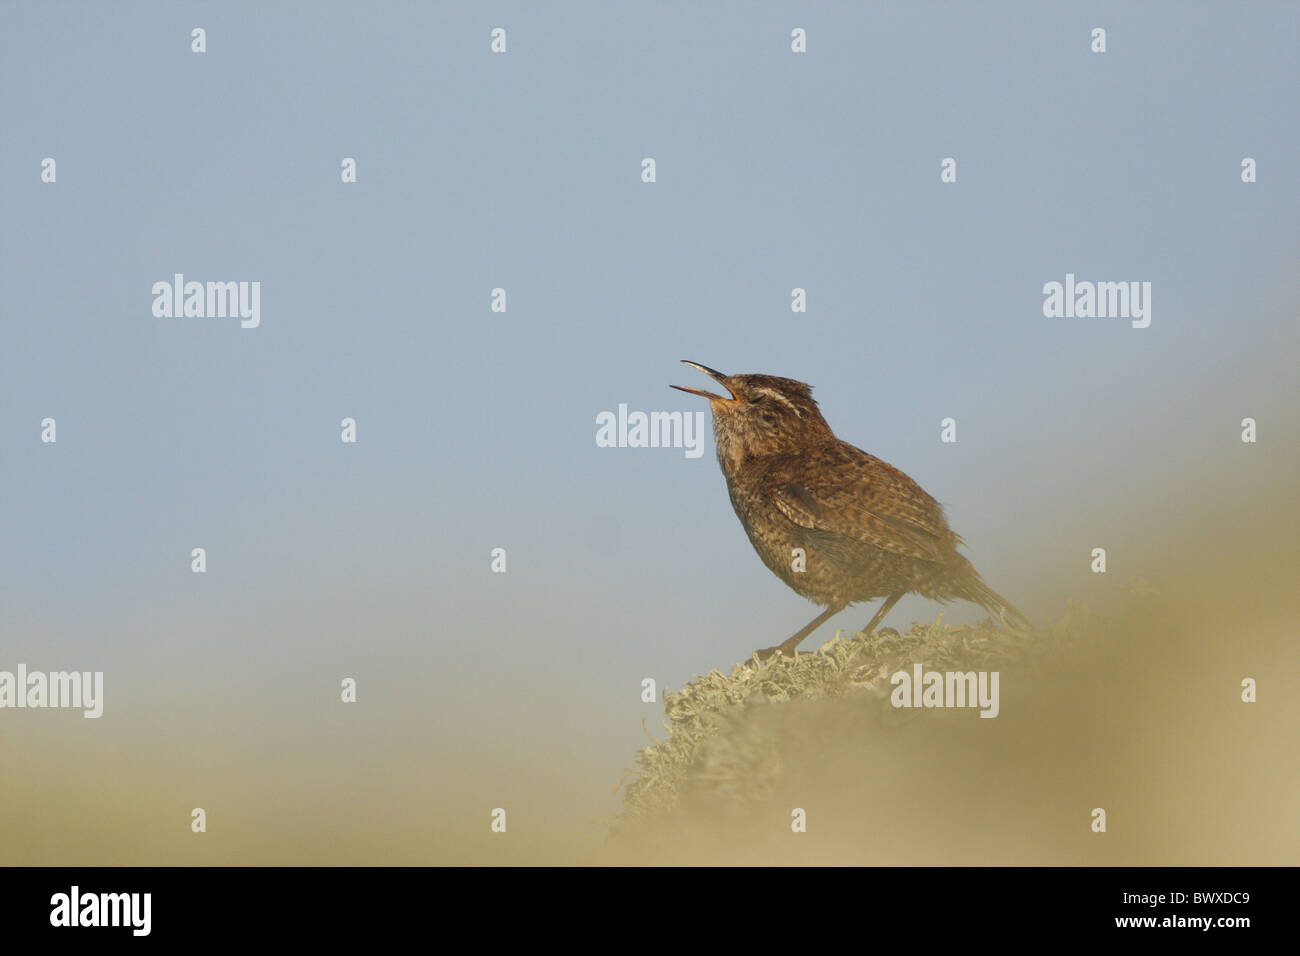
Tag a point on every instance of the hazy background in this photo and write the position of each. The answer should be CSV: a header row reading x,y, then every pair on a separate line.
x,y
476,429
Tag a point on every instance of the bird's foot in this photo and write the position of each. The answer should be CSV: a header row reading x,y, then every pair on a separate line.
x,y
771,653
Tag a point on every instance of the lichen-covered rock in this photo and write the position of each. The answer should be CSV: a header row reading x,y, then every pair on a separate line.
x,y
729,734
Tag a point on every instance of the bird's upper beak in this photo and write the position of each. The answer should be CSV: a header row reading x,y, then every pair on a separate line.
x,y
713,374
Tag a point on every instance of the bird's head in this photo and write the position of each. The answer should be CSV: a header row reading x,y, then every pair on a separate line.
x,y
760,415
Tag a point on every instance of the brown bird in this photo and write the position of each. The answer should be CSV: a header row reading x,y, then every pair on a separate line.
x,y
866,530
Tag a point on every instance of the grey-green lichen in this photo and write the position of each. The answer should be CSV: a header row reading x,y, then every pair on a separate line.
x,y
722,736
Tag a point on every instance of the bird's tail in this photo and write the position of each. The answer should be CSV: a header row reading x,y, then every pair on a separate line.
x,y
993,602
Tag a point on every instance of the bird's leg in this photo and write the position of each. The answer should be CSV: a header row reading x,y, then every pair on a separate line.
x,y
789,644
884,609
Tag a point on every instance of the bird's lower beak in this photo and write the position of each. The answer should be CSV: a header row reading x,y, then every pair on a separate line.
x,y
713,374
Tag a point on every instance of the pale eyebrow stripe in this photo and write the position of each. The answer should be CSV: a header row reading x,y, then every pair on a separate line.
x,y
777,395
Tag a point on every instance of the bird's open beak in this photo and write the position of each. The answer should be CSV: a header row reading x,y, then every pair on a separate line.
x,y
713,374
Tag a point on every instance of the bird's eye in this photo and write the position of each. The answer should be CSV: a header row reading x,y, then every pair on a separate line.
x,y
757,398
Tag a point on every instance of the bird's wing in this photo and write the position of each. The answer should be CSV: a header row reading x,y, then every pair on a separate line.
x,y
860,497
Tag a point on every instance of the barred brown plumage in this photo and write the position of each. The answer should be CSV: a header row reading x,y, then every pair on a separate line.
x,y
867,530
